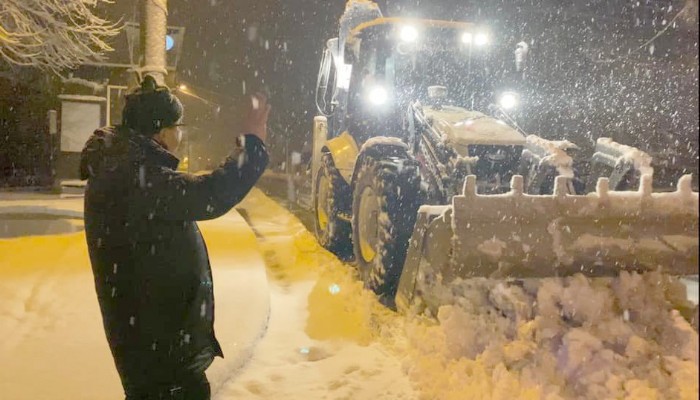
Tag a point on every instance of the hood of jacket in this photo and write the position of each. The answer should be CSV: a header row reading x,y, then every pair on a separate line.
x,y
110,147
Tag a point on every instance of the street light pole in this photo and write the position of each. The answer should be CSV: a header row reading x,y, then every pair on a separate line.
x,y
154,24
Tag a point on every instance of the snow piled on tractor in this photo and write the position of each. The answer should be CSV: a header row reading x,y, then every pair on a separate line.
x,y
627,154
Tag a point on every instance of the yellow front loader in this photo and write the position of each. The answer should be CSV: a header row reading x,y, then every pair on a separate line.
x,y
422,180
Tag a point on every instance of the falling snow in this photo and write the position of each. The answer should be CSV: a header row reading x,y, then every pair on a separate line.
x,y
295,321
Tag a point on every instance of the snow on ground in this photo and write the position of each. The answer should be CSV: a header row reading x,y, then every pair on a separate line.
x,y
560,338
53,345
324,340
241,293
328,338
320,342
573,338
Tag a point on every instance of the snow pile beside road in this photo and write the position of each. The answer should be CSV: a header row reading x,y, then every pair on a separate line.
x,y
558,338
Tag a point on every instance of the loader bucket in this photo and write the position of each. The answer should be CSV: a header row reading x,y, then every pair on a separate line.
x,y
516,235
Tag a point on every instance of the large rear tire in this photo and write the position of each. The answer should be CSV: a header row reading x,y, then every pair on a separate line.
x,y
385,204
332,210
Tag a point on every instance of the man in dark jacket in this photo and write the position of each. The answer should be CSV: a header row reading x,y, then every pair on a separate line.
x,y
149,260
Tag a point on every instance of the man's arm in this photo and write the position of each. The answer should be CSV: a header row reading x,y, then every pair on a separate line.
x,y
170,195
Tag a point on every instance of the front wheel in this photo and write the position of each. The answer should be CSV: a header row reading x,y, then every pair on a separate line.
x,y
331,209
384,209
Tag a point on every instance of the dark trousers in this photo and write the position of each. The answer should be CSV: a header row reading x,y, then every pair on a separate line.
x,y
192,387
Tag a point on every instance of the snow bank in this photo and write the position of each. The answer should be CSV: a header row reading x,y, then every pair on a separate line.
x,y
558,338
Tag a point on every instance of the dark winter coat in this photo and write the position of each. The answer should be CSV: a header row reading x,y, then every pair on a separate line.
x,y
150,263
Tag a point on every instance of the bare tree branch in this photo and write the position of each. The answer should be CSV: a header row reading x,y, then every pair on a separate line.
x,y
53,34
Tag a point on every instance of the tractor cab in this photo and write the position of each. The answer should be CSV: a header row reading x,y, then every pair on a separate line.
x,y
387,64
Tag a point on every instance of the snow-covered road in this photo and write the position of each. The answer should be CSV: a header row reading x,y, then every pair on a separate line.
x,y
295,323
320,342
325,339
53,345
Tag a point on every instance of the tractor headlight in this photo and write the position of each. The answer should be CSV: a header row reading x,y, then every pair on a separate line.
x,y
481,39
508,100
467,38
378,95
408,34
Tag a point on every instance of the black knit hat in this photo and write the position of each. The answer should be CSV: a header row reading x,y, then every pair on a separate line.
x,y
151,108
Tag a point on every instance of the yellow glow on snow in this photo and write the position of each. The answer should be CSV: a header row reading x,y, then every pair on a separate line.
x,y
293,255
50,322
339,316
69,251
64,252
430,350
225,240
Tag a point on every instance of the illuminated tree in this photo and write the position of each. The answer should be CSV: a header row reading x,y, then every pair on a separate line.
x,y
53,34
